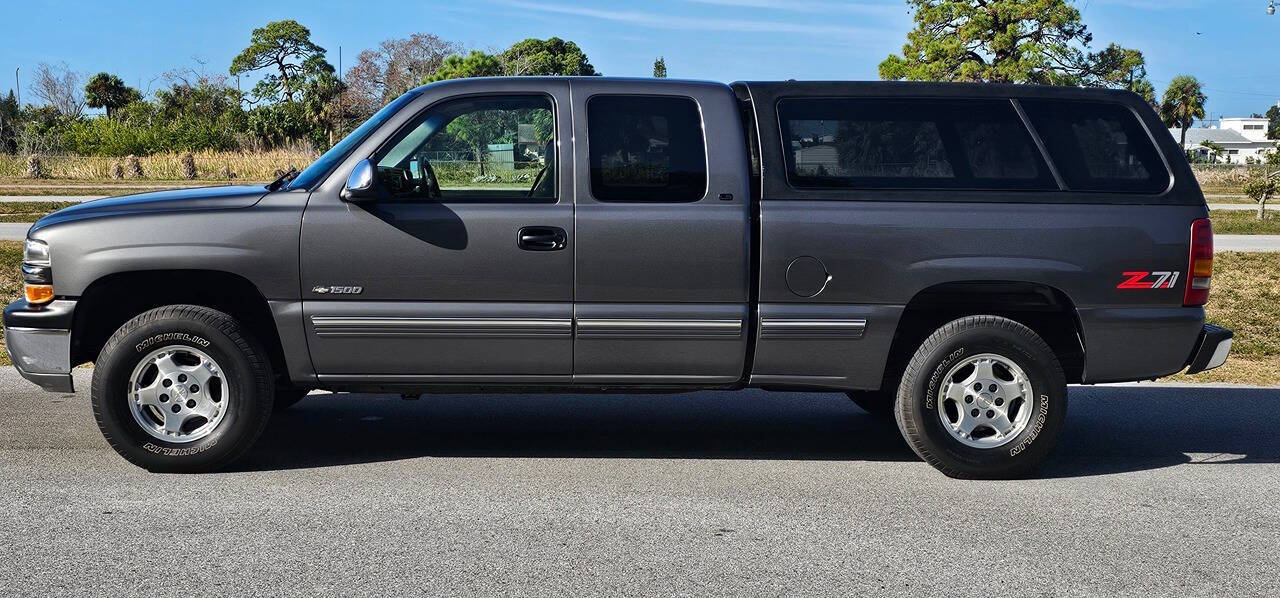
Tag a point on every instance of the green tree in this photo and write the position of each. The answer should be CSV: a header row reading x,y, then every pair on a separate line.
x,y
1215,150
285,49
475,64
1273,126
105,90
1007,41
9,113
1118,67
1264,184
660,68
1183,103
551,56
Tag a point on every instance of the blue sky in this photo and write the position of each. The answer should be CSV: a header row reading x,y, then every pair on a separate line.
x,y
1230,45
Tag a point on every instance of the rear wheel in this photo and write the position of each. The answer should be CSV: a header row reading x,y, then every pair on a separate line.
x,y
182,388
983,397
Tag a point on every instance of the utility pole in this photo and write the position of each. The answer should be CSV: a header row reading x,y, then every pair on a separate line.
x,y
17,85
341,78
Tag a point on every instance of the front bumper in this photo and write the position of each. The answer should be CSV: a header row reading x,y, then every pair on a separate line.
x,y
1211,349
39,343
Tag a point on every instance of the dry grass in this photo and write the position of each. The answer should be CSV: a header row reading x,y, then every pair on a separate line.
x,y
1221,178
1246,299
210,166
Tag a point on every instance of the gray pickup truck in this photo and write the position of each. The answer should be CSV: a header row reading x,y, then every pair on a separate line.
x,y
951,254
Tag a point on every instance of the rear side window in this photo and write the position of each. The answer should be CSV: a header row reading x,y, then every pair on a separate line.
x,y
646,148
1098,147
909,144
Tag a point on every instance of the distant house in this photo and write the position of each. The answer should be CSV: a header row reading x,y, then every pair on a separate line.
x,y
1242,140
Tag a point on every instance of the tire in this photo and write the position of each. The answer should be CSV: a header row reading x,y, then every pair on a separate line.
x,y
216,424
878,403
287,396
938,380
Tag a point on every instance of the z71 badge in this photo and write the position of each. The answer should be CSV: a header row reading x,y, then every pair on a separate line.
x,y
1148,280
338,290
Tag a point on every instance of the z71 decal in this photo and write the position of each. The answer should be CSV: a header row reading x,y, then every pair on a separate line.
x,y
1148,280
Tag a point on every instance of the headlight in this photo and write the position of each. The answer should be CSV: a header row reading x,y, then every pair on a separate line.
x,y
36,253
37,272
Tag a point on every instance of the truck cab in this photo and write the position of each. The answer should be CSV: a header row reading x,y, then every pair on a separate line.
x,y
952,254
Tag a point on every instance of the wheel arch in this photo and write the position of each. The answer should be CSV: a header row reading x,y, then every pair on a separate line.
x,y
1045,309
110,301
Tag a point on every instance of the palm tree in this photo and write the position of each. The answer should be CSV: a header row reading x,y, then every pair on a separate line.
x,y
1183,104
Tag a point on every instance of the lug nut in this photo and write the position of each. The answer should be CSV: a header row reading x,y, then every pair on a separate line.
x,y
990,414
164,398
968,399
992,388
999,401
182,377
974,413
978,387
167,383
191,404
195,388
176,408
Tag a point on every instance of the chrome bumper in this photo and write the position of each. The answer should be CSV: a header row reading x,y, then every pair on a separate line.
x,y
39,343
1211,349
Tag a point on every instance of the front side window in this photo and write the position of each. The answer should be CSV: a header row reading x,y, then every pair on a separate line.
x,y
1098,147
842,143
485,148
316,171
646,148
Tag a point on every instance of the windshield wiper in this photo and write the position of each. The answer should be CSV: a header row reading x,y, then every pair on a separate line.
x,y
283,179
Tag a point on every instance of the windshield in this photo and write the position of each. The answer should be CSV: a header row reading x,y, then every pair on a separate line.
x,y
318,169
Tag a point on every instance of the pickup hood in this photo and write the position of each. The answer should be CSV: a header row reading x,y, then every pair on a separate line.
x,y
201,198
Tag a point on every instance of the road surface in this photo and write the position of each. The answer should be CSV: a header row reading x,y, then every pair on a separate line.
x,y
1153,491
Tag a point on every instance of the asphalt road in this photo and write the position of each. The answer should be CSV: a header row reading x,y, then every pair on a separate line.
x,y
1153,491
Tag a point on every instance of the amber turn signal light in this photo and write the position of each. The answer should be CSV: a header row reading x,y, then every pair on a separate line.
x,y
39,293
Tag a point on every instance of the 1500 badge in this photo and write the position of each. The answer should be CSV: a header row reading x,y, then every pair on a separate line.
x,y
336,290
1148,280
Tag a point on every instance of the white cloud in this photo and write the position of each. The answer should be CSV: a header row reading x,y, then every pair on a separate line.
x,y
886,8
661,21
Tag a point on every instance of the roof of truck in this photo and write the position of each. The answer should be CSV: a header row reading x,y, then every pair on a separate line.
x,y
938,89
888,88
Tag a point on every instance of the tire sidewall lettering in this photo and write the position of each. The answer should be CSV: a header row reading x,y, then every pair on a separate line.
x,y
170,337
1034,431
943,366
181,451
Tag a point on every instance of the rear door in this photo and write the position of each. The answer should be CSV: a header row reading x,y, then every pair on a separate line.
x,y
470,282
662,234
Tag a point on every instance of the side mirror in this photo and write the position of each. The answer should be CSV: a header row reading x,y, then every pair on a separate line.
x,y
360,185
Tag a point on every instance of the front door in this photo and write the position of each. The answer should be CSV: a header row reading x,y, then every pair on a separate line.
x,y
462,270
662,234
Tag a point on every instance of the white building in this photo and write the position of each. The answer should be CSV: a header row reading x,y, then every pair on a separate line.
x,y
1242,140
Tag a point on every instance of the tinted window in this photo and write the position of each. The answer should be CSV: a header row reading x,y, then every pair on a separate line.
x,y
1098,147
646,148
485,148
908,144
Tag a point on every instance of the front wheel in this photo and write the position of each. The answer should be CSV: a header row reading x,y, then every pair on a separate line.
x,y
182,388
983,397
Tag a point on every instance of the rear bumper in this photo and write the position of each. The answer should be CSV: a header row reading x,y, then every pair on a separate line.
x,y
39,343
1211,349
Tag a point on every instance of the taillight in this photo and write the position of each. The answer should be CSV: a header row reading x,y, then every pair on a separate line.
x,y
1200,265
